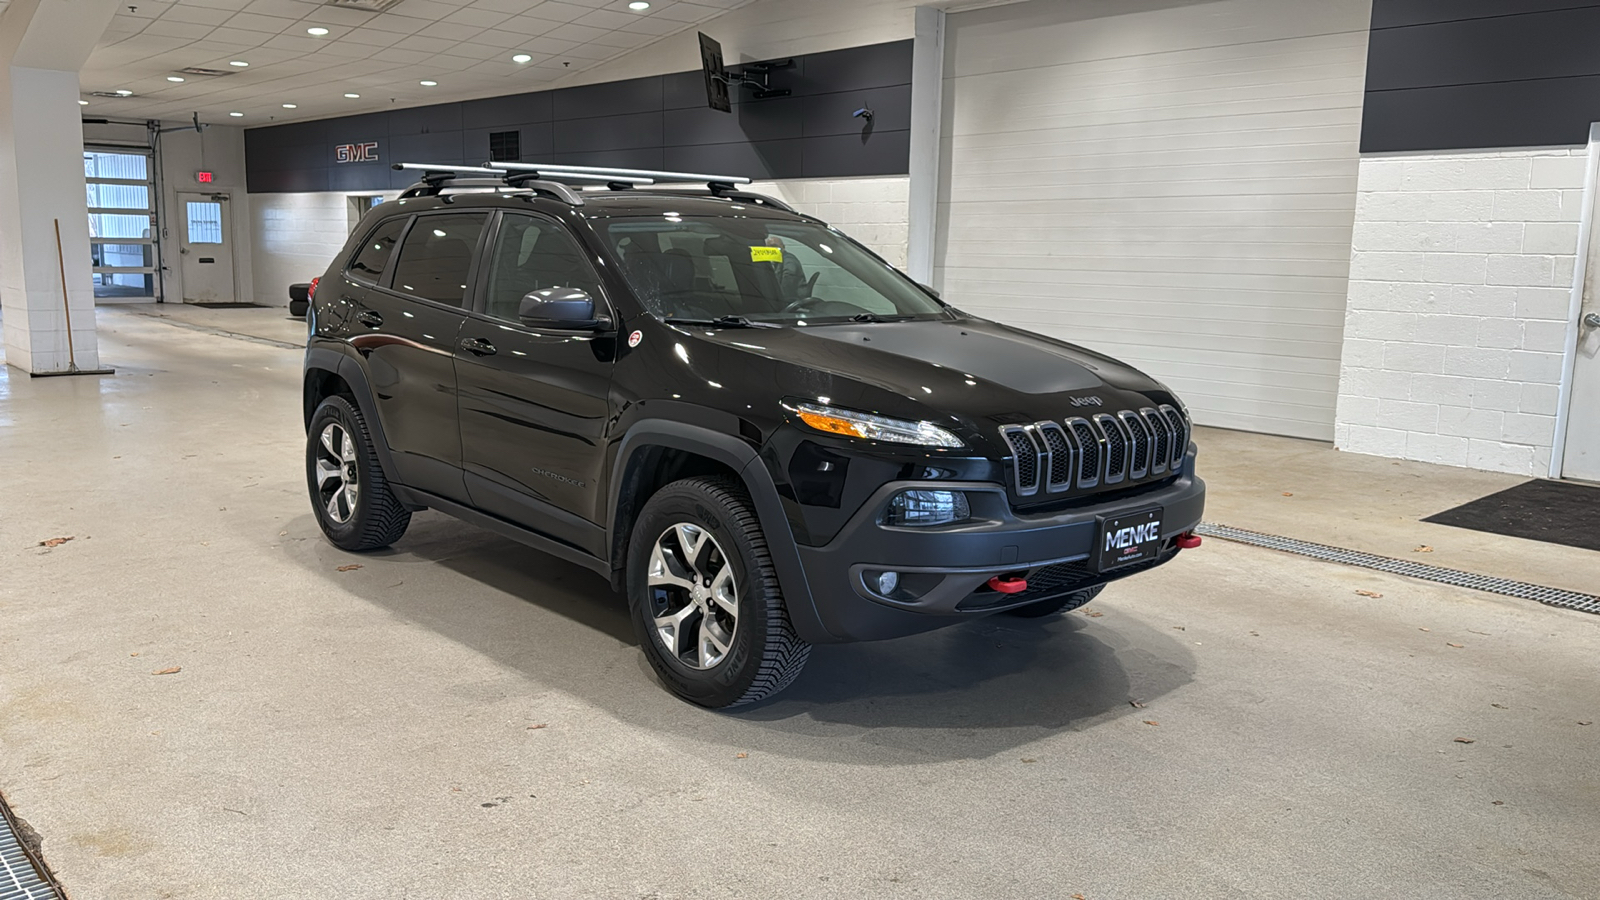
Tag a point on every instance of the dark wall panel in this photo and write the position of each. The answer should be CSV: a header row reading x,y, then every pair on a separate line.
x,y
648,123
1468,74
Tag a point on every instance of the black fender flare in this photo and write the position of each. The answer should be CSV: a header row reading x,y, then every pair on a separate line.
x,y
349,369
738,455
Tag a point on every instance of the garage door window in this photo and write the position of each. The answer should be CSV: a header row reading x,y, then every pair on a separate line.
x,y
436,257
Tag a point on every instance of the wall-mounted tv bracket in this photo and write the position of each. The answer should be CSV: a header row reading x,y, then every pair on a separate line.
x,y
759,76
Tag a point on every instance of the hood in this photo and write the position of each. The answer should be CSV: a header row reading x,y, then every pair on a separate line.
x,y
978,372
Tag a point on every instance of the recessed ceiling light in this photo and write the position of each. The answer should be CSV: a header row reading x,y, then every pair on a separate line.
x,y
429,83
521,58
236,115
175,78
352,96
240,63
124,93
83,103
319,31
290,106
639,5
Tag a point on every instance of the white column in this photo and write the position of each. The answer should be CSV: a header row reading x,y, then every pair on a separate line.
x,y
927,109
43,44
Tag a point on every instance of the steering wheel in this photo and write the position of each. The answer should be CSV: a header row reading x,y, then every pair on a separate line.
x,y
802,303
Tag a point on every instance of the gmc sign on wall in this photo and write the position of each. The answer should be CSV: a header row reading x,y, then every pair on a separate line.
x,y
349,153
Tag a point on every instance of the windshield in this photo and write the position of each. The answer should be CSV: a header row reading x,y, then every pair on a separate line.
x,y
708,268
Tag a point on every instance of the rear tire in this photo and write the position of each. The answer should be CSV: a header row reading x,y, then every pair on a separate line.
x,y
352,499
705,599
1064,604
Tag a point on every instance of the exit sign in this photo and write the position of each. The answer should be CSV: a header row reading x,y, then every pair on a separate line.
x,y
203,177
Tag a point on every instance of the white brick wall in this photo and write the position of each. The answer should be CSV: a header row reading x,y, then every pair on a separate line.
x,y
874,211
1460,272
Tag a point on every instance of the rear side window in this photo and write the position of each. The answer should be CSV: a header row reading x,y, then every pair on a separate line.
x,y
437,255
373,257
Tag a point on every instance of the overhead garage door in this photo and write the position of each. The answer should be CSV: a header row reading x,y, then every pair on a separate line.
x,y
1169,182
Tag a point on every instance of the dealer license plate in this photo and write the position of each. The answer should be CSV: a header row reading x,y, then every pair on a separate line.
x,y
1129,538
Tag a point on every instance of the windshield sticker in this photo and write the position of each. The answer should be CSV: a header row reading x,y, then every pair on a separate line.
x,y
766,254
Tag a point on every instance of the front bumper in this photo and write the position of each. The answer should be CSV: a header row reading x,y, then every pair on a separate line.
x,y
944,570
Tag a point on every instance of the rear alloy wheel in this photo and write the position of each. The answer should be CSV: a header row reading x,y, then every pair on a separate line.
x,y
705,599
352,499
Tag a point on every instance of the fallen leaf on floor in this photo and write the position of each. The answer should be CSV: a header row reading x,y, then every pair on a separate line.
x,y
1179,628
134,653
1585,723
350,568
1499,706
1136,704
1093,613
538,726
1423,549
1466,740
1457,646
741,756
1255,634
55,542
1287,494
1027,760
170,670
1424,629
1077,897
1151,722
282,533
1498,802
1373,594
1484,633
456,790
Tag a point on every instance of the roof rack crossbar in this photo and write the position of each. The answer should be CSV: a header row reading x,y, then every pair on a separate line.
x,y
435,178
603,173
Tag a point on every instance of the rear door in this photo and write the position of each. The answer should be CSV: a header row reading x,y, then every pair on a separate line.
x,y
534,404
406,325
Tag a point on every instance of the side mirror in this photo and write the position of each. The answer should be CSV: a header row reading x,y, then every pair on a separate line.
x,y
928,290
559,307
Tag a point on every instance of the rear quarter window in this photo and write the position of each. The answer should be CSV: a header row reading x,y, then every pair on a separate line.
x,y
372,257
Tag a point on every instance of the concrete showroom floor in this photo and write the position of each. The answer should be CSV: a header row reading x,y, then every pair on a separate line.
x,y
463,717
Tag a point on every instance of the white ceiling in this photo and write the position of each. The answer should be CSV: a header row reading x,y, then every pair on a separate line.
x,y
464,45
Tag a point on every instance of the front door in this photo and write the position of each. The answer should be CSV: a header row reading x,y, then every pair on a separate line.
x,y
204,248
534,404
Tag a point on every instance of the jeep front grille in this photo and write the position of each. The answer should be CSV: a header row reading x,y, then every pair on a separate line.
x,y
1111,448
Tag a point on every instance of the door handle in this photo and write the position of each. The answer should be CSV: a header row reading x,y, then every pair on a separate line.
x,y
1592,320
478,346
369,318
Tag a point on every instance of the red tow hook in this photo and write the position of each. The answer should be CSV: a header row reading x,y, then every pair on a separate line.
x,y
1009,584
1188,540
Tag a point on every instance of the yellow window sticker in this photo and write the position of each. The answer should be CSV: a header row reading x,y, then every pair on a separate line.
x,y
766,254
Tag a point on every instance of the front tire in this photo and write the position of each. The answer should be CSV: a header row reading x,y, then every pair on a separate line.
x,y
705,599
352,499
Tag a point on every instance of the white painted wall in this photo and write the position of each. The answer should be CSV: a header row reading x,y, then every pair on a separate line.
x,y
1172,183
1460,281
295,236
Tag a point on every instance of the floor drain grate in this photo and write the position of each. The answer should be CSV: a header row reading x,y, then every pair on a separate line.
x,y
21,876
1549,596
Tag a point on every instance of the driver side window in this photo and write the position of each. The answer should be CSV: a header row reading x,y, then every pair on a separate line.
x,y
532,254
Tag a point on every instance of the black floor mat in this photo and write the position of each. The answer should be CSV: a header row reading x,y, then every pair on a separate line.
x,y
228,305
1556,512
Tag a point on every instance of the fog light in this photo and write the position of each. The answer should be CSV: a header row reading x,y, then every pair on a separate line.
x,y
887,582
926,508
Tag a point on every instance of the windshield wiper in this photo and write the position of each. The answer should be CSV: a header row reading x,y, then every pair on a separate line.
x,y
720,322
875,317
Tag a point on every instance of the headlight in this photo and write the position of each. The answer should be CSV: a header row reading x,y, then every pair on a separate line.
x,y
926,508
850,423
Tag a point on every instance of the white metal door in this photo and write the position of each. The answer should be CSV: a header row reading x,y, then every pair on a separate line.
x,y
1170,183
1581,457
205,249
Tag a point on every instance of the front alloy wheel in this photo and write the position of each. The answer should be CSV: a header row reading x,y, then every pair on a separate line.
x,y
694,597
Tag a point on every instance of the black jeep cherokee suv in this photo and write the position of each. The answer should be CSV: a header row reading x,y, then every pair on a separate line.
x,y
762,432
